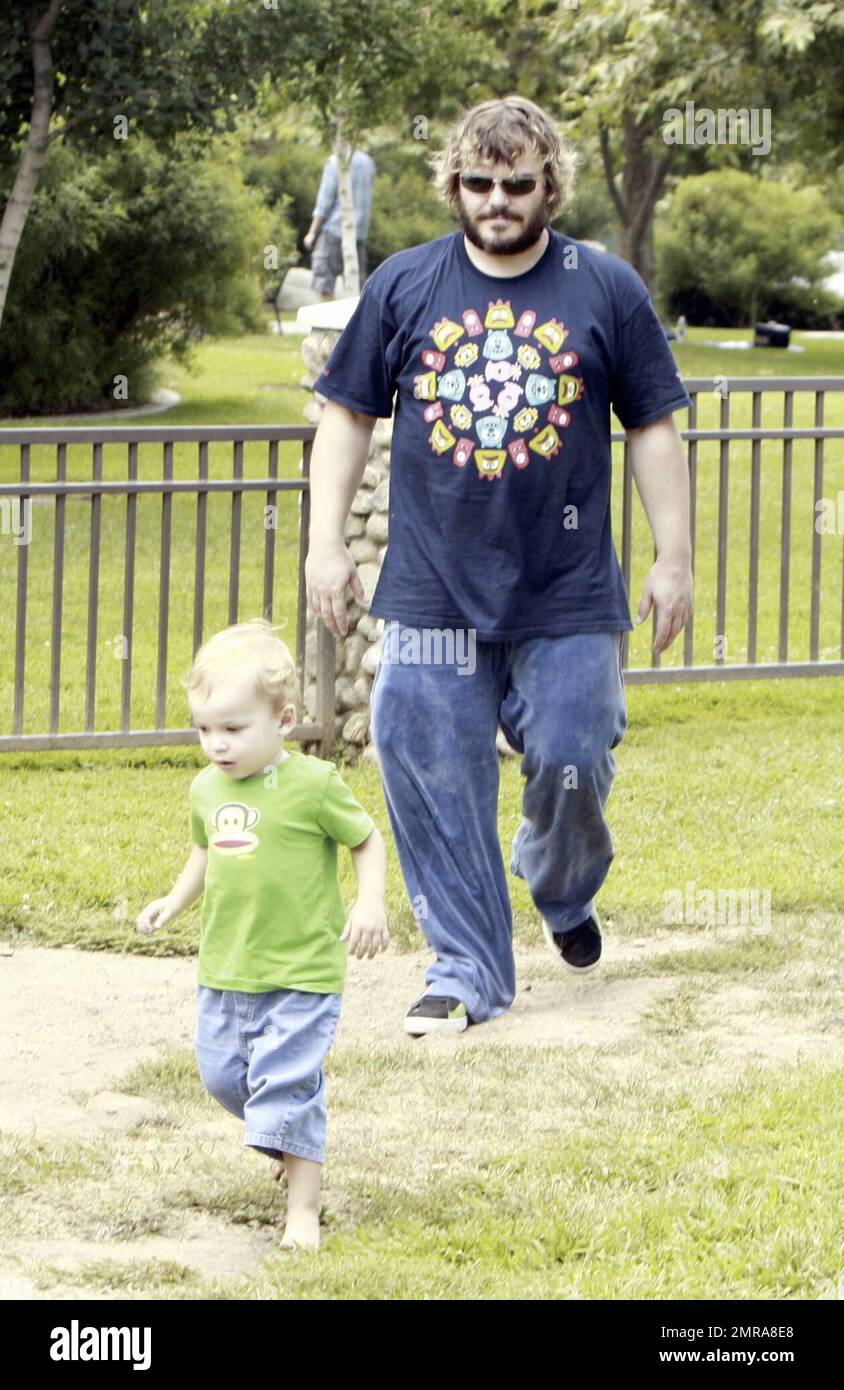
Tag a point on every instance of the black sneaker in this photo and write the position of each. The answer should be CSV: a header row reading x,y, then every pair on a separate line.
x,y
434,1013
579,948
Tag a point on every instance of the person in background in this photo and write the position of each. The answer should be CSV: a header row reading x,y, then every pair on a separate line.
x,y
323,237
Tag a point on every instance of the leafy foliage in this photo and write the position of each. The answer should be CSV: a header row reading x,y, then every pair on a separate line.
x,y
126,258
160,64
733,247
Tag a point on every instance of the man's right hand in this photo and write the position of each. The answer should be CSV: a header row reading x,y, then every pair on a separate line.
x,y
329,569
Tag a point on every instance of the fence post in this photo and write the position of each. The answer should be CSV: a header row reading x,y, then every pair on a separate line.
x,y
325,677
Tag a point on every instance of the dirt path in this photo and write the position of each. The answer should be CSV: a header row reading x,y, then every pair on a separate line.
x,y
75,1022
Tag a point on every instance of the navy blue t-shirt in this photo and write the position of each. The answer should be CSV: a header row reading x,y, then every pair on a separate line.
x,y
499,515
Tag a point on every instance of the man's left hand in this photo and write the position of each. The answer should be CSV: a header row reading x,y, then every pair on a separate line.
x,y
669,591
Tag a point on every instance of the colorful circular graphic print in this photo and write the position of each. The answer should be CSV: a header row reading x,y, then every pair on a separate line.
x,y
497,390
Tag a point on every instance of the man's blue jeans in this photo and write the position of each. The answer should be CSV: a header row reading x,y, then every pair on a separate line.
x,y
561,702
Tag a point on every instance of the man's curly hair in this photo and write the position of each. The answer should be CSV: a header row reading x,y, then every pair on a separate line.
x,y
499,131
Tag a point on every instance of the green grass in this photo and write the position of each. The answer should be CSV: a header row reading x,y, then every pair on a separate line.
x,y
632,1194
724,785
540,1173
29,1163
610,1214
133,1278
253,380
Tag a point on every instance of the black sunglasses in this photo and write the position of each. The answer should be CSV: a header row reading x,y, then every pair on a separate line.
x,y
517,188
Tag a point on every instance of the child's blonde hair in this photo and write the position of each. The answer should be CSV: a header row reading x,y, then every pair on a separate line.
x,y
244,650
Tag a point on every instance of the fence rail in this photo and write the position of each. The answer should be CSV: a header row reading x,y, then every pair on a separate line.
x,y
726,390
61,490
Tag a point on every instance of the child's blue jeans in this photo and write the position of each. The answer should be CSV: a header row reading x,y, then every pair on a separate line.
x,y
261,1056
561,702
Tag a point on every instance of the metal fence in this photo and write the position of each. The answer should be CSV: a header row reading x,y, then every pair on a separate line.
x,y
131,487
58,491
726,390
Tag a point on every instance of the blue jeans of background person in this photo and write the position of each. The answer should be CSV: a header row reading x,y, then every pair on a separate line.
x,y
261,1056
561,702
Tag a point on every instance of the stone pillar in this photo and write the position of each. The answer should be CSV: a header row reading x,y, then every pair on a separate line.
x,y
365,534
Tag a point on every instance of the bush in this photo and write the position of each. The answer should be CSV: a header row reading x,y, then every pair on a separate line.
x,y
124,259
405,208
735,248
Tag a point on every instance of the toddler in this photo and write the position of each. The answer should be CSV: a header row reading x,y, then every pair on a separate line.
x,y
272,957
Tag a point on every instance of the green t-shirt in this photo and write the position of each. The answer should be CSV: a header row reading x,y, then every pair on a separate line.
x,y
273,914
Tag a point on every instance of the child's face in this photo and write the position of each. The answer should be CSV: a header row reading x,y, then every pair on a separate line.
x,y
238,730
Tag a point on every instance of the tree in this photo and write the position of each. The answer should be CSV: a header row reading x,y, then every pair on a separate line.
x,y
724,256
96,71
807,39
126,257
634,60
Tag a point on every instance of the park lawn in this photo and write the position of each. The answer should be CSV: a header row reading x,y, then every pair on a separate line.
x,y
661,1163
748,776
653,1168
256,380
730,785
253,380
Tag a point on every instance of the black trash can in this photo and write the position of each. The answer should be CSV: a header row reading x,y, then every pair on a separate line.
x,y
772,335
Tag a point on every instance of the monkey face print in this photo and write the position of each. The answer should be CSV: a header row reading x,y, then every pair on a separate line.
x,y
230,828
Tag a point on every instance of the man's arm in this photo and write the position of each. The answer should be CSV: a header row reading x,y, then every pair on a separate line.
x,y
659,467
338,458
312,233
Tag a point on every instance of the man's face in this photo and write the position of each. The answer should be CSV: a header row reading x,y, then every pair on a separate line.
x,y
502,223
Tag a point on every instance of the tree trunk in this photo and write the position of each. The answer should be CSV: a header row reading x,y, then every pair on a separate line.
x,y
641,188
35,151
348,225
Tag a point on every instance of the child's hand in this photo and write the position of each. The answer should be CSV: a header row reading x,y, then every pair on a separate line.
x,y
155,915
366,929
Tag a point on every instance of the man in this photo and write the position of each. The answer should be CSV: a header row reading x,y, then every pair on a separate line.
x,y
324,233
506,343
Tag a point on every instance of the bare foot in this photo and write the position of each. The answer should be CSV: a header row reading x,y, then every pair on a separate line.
x,y
302,1230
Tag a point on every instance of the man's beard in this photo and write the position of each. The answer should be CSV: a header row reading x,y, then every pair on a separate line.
x,y
528,235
